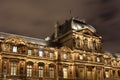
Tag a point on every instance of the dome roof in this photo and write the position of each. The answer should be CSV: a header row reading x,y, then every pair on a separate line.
x,y
80,24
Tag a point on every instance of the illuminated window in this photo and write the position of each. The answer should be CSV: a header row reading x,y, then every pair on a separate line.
x,y
51,72
40,71
65,73
107,74
81,57
65,56
29,52
13,69
14,48
98,59
40,53
51,55
29,70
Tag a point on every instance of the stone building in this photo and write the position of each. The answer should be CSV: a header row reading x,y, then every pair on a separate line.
x,y
74,52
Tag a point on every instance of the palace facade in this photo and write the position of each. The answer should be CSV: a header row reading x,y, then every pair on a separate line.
x,y
74,52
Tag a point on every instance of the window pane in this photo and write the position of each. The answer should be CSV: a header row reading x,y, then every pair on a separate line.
x,y
29,70
40,71
13,68
29,52
65,73
65,56
51,72
51,55
81,57
40,53
98,59
14,48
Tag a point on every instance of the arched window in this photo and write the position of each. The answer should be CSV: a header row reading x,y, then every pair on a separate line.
x,y
51,71
29,69
41,69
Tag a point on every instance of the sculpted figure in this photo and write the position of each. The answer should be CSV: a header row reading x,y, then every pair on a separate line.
x,y
5,47
81,41
90,44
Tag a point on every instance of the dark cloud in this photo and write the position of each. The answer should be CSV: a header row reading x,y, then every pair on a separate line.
x,y
36,18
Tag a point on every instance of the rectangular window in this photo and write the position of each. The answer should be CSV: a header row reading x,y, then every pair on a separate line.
x,y
51,72
13,69
81,57
51,55
40,53
29,70
14,49
65,73
40,71
29,52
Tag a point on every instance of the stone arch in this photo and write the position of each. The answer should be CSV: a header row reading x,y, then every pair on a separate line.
x,y
41,63
52,65
30,62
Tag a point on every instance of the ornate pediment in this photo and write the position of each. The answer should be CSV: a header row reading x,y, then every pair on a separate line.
x,y
15,40
66,49
87,31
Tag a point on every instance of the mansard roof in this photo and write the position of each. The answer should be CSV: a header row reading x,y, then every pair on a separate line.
x,y
78,24
75,24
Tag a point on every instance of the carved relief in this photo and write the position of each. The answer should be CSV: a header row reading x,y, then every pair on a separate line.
x,y
66,49
15,40
5,47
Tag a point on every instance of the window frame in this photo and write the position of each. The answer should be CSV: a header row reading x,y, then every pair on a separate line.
x,y
80,56
41,71
51,55
65,72
30,51
65,56
14,49
13,68
29,70
40,53
51,72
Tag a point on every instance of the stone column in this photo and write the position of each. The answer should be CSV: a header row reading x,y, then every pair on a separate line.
x,y
85,73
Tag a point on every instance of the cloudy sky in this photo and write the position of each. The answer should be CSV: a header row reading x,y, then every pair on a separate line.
x,y
36,18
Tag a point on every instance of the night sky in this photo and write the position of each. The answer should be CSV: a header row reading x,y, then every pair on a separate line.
x,y
36,18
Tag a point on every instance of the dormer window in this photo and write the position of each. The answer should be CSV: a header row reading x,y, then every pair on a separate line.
x,y
29,52
14,49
